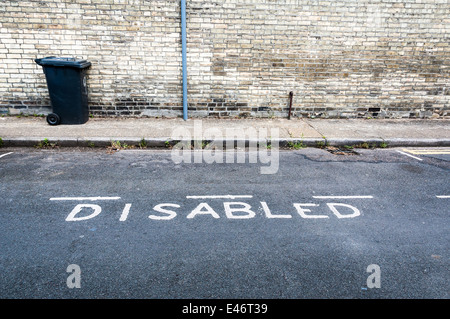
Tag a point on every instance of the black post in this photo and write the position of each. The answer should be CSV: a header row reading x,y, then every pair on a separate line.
x,y
290,103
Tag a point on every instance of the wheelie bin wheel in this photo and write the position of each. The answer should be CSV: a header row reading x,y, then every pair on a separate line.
x,y
53,119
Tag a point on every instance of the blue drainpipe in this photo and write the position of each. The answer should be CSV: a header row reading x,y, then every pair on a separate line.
x,y
183,56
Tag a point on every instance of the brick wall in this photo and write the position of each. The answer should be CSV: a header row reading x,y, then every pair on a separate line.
x,y
340,58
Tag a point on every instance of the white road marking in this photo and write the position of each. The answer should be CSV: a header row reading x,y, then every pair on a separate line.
x,y
269,214
125,213
3,155
84,198
219,196
343,197
171,214
410,155
355,210
199,211
229,211
302,211
96,210
443,196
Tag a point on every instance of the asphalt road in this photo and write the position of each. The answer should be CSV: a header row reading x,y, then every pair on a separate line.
x,y
139,225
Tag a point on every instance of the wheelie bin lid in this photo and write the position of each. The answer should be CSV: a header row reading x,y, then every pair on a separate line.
x,y
63,61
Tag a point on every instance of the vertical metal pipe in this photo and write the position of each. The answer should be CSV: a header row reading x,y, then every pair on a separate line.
x,y
291,94
183,56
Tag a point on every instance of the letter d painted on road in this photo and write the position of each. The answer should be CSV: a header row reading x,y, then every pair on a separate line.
x,y
96,210
355,211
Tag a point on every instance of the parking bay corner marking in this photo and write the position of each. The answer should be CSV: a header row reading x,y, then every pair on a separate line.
x,y
6,154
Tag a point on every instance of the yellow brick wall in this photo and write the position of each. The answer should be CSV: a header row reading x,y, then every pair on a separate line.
x,y
341,58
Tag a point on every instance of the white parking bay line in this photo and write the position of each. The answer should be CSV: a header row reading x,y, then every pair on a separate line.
x,y
219,196
3,155
443,196
85,198
344,197
417,158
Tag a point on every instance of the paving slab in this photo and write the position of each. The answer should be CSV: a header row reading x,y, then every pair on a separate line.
x,y
153,127
384,129
27,131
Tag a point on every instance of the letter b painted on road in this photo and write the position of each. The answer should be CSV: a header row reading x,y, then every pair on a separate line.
x,y
243,208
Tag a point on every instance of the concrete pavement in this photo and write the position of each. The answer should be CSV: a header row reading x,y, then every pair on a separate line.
x,y
29,131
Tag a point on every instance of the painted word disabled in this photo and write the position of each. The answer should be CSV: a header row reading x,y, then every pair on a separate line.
x,y
229,210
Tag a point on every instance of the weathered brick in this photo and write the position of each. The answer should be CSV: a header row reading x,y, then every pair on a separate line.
x,y
340,58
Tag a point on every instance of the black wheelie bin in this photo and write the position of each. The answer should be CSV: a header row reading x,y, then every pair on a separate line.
x,y
67,87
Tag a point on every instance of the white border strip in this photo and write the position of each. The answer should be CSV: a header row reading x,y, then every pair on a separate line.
x,y
219,196
344,197
84,198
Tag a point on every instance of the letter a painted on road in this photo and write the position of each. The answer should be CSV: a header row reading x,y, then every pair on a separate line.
x,y
199,211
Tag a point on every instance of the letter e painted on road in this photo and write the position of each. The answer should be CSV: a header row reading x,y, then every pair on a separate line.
x,y
302,211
